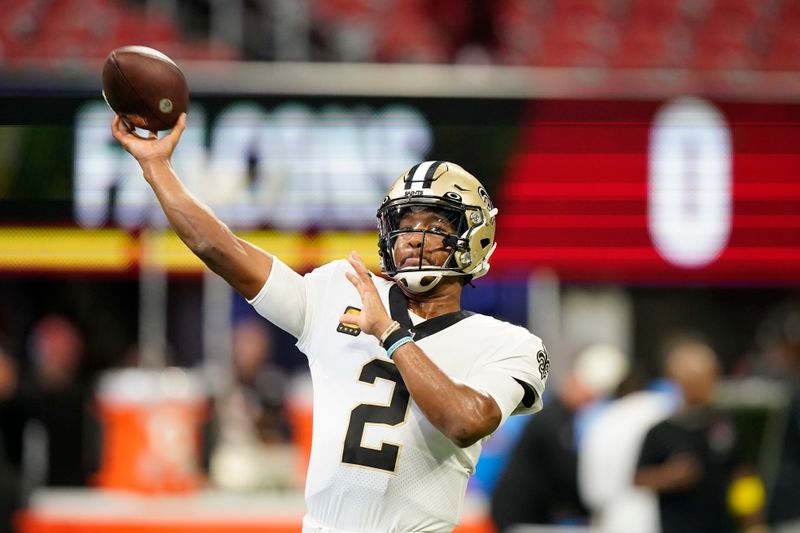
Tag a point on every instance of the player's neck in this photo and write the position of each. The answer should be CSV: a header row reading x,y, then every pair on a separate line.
x,y
444,298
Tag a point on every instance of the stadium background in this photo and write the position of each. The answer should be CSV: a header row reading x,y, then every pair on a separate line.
x,y
302,112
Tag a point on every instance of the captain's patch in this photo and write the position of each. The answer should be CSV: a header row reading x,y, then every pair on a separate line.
x,y
350,329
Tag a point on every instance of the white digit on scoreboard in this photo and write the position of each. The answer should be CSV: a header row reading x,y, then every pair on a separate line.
x,y
689,182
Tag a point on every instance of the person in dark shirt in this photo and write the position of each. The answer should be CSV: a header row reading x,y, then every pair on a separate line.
x,y
539,487
778,358
10,489
691,459
48,417
539,484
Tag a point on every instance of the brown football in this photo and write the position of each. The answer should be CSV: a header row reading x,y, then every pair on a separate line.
x,y
145,87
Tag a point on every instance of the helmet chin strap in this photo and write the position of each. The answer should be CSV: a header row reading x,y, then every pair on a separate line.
x,y
418,282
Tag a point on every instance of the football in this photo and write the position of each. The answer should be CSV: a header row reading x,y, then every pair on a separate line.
x,y
144,87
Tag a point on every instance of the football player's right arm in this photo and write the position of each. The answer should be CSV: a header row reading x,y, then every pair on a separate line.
x,y
666,463
244,266
677,473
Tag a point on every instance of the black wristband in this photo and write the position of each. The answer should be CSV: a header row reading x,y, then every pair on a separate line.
x,y
394,337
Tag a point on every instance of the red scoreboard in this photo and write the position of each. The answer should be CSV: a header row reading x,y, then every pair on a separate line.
x,y
680,191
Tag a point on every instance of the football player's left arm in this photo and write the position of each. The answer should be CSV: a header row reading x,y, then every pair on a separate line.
x,y
462,413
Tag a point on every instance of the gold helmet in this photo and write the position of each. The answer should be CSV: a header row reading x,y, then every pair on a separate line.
x,y
460,198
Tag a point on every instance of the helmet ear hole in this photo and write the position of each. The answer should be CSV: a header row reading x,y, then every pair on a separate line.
x,y
485,243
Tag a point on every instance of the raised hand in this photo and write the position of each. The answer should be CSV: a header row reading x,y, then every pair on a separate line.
x,y
151,148
373,318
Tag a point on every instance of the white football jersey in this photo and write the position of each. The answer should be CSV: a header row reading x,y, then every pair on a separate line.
x,y
377,465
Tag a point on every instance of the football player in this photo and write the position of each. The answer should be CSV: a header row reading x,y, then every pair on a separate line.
x,y
407,385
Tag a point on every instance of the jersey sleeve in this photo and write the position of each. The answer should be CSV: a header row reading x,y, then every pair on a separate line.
x,y
320,284
282,299
515,377
292,302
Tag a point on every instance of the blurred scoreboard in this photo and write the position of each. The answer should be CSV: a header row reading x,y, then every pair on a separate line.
x,y
683,190
659,192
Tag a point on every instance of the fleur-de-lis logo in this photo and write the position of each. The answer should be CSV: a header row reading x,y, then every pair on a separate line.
x,y
485,196
544,362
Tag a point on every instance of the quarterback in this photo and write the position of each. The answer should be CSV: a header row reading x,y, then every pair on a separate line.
x,y
407,385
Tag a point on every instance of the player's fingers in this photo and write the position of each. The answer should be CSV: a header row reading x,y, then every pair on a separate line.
x,y
352,278
153,135
128,126
136,134
365,283
178,129
353,261
122,131
355,265
350,319
358,265
116,128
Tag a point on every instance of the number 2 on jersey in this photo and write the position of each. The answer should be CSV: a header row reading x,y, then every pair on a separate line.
x,y
393,414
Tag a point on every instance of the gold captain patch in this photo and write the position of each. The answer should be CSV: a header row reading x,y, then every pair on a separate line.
x,y
350,329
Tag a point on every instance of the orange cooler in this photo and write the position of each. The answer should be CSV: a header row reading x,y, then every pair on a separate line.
x,y
152,422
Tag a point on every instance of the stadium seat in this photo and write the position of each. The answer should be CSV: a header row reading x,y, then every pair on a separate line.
x,y
659,47
56,33
784,50
729,41
712,34
519,26
408,35
580,41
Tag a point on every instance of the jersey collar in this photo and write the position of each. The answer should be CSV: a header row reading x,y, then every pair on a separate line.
x,y
398,308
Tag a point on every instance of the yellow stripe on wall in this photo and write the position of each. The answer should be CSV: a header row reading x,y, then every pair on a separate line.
x,y
164,249
115,250
66,249
292,248
302,252
338,245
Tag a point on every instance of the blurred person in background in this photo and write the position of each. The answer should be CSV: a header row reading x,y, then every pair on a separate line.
x,y
252,450
396,364
693,460
51,421
778,346
608,452
10,489
539,484
260,381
